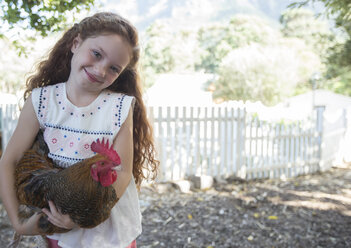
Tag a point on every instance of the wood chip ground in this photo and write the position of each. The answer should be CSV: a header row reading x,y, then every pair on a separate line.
x,y
308,211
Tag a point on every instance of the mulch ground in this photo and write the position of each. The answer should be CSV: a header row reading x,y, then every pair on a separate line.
x,y
308,211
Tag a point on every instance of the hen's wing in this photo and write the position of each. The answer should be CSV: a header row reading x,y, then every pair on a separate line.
x,y
31,174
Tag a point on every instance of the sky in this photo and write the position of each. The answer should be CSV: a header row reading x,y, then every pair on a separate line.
x,y
193,12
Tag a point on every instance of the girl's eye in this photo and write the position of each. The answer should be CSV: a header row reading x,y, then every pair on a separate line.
x,y
114,69
96,54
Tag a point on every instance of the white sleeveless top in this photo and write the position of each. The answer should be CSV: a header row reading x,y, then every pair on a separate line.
x,y
69,131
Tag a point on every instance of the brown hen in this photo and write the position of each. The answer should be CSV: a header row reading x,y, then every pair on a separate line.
x,y
83,190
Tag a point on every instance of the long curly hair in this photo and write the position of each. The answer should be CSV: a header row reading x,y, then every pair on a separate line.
x,y
57,66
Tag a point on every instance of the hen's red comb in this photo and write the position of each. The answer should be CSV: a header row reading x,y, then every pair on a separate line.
x,y
104,149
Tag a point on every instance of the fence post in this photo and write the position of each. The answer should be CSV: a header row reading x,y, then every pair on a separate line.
x,y
240,143
319,132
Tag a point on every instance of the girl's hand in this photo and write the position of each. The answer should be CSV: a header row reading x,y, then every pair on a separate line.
x,y
59,219
30,226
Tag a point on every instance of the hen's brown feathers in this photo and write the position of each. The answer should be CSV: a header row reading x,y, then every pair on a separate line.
x,y
32,164
72,190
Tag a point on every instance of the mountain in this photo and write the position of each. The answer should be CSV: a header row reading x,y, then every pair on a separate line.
x,y
194,13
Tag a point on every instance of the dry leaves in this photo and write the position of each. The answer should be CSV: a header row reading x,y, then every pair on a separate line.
x,y
309,211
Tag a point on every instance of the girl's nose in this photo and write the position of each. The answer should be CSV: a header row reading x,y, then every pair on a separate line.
x,y
100,69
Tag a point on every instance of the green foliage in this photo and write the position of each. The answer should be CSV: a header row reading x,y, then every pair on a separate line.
x,y
43,16
158,48
266,73
217,41
338,60
339,9
302,23
156,57
342,83
339,68
21,23
166,51
253,60
256,62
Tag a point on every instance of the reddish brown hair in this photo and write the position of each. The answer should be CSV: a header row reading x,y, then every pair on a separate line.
x,y
56,69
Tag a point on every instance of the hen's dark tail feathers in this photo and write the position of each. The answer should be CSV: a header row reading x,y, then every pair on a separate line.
x,y
40,145
37,183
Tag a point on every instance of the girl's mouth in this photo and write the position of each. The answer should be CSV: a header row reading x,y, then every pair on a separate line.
x,y
91,77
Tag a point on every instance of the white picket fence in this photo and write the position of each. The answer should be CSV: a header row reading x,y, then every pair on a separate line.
x,y
224,141
8,120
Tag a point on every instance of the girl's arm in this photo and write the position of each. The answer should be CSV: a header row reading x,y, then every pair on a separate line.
x,y
123,144
21,140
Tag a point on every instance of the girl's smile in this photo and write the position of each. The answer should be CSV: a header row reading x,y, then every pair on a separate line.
x,y
91,77
96,64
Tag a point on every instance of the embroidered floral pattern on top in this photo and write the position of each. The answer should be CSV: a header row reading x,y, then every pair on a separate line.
x,y
69,130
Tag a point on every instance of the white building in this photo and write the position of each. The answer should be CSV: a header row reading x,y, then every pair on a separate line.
x,y
179,90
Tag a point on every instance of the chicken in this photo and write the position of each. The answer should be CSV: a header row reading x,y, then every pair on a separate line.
x,y
83,191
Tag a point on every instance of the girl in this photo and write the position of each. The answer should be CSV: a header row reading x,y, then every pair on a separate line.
x,y
87,88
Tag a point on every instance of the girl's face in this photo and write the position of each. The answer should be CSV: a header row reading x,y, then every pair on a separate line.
x,y
98,61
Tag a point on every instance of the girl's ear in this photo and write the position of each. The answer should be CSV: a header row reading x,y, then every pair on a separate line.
x,y
76,43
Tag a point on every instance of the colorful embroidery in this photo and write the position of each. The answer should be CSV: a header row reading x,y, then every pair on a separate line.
x,y
69,140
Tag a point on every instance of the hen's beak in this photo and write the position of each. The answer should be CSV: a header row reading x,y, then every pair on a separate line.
x,y
117,168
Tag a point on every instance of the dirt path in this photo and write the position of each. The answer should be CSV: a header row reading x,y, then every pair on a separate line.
x,y
308,211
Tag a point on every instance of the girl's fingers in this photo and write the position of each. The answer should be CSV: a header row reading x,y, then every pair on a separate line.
x,y
56,218
52,218
56,223
53,209
51,214
47,212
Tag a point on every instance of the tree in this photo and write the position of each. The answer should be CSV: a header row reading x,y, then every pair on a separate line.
x,y
338,63
218,40
39,15
255,61
266,73
167,51
303,24
158,42
23,21
338,9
